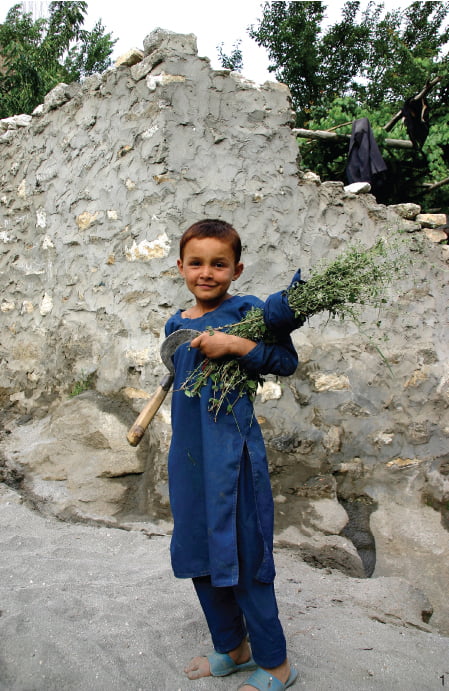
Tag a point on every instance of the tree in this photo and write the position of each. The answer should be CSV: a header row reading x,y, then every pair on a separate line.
x,y
35,55
365,65
316,66
234,61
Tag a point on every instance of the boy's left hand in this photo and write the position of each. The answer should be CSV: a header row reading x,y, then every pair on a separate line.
x,y
216,344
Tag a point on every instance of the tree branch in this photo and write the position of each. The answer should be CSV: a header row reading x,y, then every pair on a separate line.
x,y
430,187
428,87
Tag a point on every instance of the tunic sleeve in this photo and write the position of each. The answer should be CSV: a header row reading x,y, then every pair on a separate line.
x,y
278,315
280,358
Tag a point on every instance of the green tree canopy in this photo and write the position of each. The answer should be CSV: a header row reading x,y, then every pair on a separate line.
x,y
365,65
370,56
35,55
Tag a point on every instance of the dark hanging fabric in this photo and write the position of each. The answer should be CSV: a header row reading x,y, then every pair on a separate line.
x,y
415,114
365,161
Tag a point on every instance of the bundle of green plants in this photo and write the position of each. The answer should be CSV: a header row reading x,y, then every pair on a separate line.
x,y
357,278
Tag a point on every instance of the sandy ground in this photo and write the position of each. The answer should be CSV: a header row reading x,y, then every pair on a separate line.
x,y
89,608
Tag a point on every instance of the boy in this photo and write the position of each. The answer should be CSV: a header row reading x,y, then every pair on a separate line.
x,y
220,490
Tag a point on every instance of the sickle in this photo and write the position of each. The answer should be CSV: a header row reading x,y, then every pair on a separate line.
x,y
168,348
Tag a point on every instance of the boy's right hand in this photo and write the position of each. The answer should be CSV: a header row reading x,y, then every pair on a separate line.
x,y
216,344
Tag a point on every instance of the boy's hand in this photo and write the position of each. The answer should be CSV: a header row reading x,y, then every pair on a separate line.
x,y
216,344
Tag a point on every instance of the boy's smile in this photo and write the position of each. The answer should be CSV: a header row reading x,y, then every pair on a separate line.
x,y
208,266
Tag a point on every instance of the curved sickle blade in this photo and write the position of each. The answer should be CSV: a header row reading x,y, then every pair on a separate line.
x,y
168,348
173,342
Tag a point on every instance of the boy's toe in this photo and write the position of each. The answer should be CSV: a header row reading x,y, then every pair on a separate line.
x,y
197,668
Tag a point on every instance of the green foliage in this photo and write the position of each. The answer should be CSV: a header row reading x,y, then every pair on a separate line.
x,y
371,57
365,65
90,55
316,65
409,170
407,48
35,55
83,384
233,61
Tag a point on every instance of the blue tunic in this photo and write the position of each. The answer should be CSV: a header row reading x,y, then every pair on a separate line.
x,y
205,456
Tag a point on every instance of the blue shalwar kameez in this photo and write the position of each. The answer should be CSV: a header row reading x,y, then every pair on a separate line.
x,y
220,496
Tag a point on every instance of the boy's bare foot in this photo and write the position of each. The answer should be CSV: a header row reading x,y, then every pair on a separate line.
x,y
282,673
199,666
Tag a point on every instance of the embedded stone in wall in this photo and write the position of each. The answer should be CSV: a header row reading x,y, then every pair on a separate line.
x,y
46,305
7,306
330,382
435,235
86,219
269,391
332,439
146,250
407,210
130,58
153,81
431,220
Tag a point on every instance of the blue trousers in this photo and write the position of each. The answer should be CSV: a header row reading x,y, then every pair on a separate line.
x,y
250,607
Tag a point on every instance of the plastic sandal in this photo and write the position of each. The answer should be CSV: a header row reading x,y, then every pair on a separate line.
x,y
264,681
221,664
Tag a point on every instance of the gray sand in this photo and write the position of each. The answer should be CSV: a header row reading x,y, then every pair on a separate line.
x,y
93,608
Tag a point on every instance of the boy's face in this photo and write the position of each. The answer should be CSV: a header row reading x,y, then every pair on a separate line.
x,y
209,267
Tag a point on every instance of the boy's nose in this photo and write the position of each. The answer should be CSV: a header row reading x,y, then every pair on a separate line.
x,y
206,270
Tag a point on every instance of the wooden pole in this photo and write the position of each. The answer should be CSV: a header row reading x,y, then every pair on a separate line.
x,y
325,135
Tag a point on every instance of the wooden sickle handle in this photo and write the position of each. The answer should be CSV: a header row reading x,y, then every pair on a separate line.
x,y
137,431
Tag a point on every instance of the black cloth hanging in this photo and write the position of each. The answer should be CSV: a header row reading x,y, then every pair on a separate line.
x,y
365,161
415,114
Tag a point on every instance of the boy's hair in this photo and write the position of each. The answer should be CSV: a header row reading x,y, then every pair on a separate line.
x,y
212,228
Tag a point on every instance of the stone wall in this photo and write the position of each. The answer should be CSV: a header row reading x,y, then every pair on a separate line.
x,y
96,189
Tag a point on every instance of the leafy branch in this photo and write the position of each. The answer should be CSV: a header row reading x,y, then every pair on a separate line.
x,y
357,278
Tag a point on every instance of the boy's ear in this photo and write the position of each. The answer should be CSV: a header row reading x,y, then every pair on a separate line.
x,y
180,266
238,271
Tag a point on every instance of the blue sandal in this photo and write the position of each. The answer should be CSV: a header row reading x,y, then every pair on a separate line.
x,y
222,664
264,681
